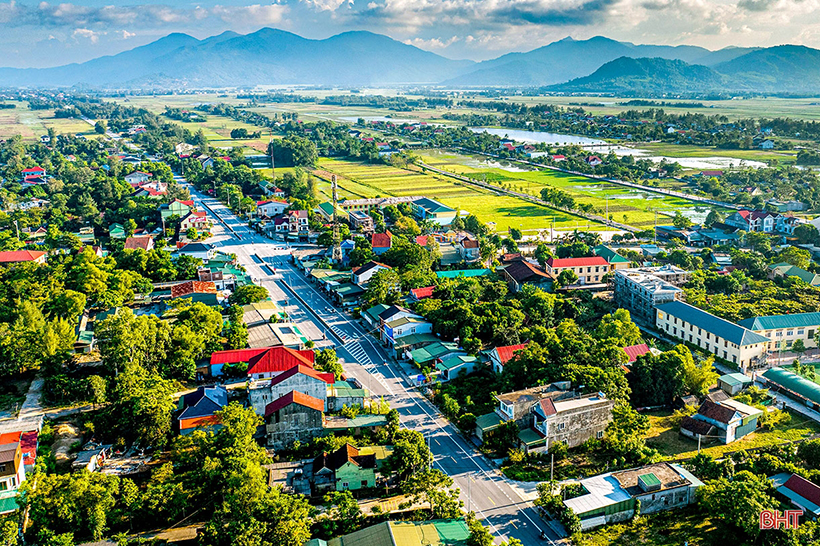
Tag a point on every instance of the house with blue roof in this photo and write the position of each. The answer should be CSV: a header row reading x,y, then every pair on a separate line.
x,y
784,330
198,409
727,340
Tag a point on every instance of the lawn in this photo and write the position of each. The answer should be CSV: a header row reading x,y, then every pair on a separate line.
x,y
678,150
634,207
357,179
671,444
673,528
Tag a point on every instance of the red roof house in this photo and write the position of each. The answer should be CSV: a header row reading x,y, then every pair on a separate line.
x,y
19,256
294,397
421,293
190,288
381,242
634,351
501,355
328,378
142,242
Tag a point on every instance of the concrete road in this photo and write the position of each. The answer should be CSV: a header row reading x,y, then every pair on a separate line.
x,y
483,489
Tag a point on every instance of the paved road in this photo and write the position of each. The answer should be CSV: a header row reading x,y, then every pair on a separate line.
x,y
483,489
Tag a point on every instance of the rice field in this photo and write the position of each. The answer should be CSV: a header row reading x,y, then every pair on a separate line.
x,y
358,179
32,124
630,206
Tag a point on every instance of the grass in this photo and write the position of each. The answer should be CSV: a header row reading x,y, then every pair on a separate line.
x,y
32,124
633,207
672,445
357,179
672,528
679,150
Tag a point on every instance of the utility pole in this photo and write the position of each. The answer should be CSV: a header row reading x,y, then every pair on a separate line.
x,y
272,164
336,254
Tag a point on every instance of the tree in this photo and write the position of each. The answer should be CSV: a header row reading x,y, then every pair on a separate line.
x,y
697,376
327,361
343,515
567,277
619,328
99,127
799,257
799,347
738,502
515,234
806,234
625,433
410,453
680,221
542,254
436,488
759,241
250,293
656,380
97,388
143,406
384,287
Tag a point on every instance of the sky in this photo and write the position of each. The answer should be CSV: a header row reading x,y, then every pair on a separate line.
x,y
47,33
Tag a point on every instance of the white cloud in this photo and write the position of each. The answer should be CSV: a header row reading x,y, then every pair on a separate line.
x,y
89,34
432,43
328,5
255,14
125,34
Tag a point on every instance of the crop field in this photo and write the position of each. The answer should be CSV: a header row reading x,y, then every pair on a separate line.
x,y
634,207
357,179
31,124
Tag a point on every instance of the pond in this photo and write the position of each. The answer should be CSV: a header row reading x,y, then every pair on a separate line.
x,y
539,136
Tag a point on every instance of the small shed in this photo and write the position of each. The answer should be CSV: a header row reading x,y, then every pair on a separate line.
x,y
733,383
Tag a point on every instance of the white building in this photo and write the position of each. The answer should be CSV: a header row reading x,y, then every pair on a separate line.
x,y
783,330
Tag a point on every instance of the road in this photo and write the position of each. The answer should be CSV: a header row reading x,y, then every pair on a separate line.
x,y
483,489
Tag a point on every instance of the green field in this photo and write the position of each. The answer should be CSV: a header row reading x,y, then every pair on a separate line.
x,y
32,124
357,179
634,207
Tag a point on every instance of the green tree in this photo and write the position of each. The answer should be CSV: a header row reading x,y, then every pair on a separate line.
x,y
806,234
626,432
567,277
97,388
799,257
143,406
618,328
99,127
738,502
515,234
384,287
327,361
680,221
410,453
436,488
250,293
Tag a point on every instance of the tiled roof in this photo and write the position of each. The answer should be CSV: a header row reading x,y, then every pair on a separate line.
x,y
547,406
14,256
576,262
469,243
279,359
716,412
804,488
634,351
775,322
232,357
506,353
345,454
712,324
421,293
695,426
382,240
204,402
304,370
134,243
523,271
609,254
370,265
294,397
193,287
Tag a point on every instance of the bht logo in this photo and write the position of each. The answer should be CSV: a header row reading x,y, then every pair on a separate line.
x,y
774,519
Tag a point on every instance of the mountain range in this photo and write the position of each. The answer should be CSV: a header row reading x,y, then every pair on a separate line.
x,y
276,57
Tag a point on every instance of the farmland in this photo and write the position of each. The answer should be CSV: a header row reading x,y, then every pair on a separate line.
x,y
357,179
31,124
634,207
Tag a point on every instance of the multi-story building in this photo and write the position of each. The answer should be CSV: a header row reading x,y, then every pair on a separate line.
x,y
784,330
589,270
720,337
641,293
12,474
571,422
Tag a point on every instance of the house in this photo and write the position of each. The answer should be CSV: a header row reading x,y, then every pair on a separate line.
x,y
33,171
430,209
346,469
12,475
438,532
720,337
381,242
753,220
641,293
396,328
116,231
466,273
293,417
197,220
634,351
418,294
499,356
559,157
197,291
784,330
270,208
429,355
450,366
728,420
360,220
8,257
799,492
786,206
613,496
366,205
34,203
767,145
205,161
714,174
141,242
468,248
570,422
360,276
263,362
198,409
721,259
733,383
298,223
201,251
589,270
137,178
346,392
300,377
593,160
615,260
520,272
325,210
785,269
650,251
177,207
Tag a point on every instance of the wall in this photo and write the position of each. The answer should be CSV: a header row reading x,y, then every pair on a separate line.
x,y
352,475
580,424
295,423
265,394
665,500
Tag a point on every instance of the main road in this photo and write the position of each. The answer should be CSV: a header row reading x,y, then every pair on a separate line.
x,y
483,489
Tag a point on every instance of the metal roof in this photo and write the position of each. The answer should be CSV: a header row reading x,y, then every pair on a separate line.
x,y
603,490
794,383
776,322
733,379
462,273
712,324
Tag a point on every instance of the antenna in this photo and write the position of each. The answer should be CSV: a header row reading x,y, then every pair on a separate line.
x,y
336,255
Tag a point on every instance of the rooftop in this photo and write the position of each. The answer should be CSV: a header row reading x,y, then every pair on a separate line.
x,y
776,322
577,262
712,324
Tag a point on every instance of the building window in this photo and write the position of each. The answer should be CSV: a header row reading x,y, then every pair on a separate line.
x,y
559,427
800,332
599,434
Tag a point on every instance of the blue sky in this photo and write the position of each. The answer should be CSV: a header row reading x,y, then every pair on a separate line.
x,y
51,33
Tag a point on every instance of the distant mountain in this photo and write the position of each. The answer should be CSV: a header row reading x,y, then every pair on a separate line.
x,y
266,57
722,55
564,60
650,76
780,69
